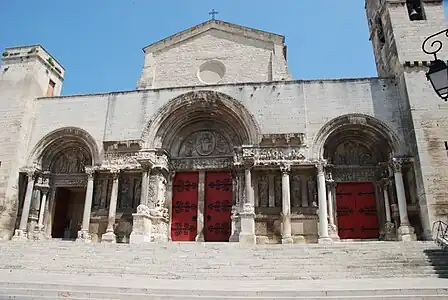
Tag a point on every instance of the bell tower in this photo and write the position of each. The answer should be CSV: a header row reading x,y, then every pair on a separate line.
x,y
398,29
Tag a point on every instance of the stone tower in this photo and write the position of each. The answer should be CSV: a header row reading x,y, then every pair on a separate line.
x,y
26,73
397,31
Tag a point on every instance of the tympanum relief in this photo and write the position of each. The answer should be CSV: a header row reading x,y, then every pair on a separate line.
x,y
205,143
71,161
353,153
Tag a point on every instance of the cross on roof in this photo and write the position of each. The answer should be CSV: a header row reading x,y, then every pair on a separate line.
x,y
213,13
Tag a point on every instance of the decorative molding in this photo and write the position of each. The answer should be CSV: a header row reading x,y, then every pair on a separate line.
x,y
199,163
136,160
69,180
269,156
356,174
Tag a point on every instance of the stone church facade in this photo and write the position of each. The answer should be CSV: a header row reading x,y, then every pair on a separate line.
x,y
218,143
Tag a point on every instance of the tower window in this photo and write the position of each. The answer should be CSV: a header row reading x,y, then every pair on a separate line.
x,y
50,89
415,10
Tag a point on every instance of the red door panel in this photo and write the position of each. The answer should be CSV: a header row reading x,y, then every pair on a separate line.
x,y
356,209
366,211
218,206
346,210
185,207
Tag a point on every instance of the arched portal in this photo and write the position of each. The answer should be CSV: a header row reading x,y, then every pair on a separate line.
x,y
356,147
200,130
63,155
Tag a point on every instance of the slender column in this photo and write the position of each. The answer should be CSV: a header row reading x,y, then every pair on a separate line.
x,y
247,214
304,190
321,194
388,226
405,231
109,236
83,234
333,231
21,232
42,207
286,205
200,210
235,218
387,203
145,185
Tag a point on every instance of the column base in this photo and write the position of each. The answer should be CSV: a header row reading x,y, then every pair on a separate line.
x,y
141,229
333,233
247,239
20,235
389,232
406,233
299,239
84,237
199,238
287,240
325,240
109,237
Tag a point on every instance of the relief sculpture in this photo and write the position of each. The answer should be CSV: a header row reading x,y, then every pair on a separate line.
x,y
263,194
278,190
205,143
71,161
353,153
295,190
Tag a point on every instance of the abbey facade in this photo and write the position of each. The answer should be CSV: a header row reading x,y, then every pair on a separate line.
x,y
218,143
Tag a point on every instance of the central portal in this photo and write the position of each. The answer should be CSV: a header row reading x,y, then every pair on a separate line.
x,y
217,198
356,209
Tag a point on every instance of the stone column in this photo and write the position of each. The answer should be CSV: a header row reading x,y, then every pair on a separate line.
x,y
200,222
145,184
304,190
286,205
389,225
83,234
405,232
247,214
332,228
21,234
49,212
322,199
109,236
237,182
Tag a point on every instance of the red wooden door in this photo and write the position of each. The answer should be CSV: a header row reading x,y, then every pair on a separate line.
x,y
346,210
218,206
366,211
356,209
185,207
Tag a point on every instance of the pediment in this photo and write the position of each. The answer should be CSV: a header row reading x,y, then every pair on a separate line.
x,y
217,25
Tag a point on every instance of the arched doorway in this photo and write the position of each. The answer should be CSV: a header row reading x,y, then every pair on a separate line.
x,y
63,155
200,130
358,152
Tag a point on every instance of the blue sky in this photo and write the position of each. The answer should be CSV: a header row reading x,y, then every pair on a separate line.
x,y
99,42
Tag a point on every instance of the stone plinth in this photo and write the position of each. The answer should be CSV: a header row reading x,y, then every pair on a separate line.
x,y
406,233
141,228
247,217
84,237
159,228
20,235
109,237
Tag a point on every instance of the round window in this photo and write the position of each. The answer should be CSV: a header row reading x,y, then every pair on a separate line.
x,y
211,72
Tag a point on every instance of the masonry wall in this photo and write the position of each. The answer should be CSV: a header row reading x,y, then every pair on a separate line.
x,y
245,60
281,107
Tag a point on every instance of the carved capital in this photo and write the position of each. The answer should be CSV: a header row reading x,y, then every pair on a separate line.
x,y
30,172
90,171
397,165
285,169
320,166
248,163
385,182
43,183
115,173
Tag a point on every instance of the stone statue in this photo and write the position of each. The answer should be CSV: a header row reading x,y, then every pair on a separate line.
x,y
263,195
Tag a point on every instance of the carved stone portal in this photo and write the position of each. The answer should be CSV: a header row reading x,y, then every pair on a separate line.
x,y
71,161
353,153
205,143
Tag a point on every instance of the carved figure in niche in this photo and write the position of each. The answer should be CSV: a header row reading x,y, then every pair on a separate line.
x,y
204,143
353,153
137,192
263,191
123,197
295,190
312,192
98,193
278,190
162,193
71,161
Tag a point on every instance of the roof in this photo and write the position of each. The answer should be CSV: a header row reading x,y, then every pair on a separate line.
x,y
215,24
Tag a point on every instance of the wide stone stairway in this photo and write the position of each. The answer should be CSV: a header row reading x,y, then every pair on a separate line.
x,y
370,270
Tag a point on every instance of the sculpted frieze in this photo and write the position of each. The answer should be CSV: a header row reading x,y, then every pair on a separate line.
x,y
135,160
69,181
263,156
356,174
201,163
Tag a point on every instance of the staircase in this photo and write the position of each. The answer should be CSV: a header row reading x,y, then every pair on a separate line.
x,y
371,270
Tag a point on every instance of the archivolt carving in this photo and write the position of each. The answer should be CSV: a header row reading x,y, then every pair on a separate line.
x,y
71,161
353,153
205,143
